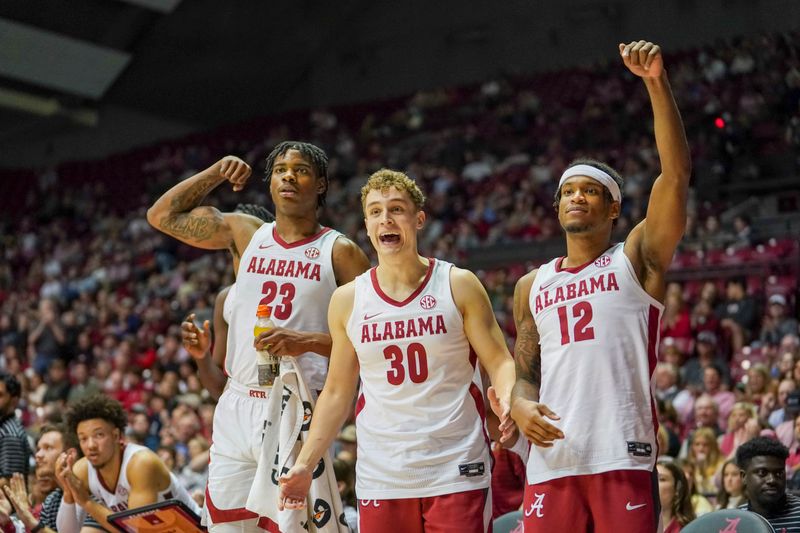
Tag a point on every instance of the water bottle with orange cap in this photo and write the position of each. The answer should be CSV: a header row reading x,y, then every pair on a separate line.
x,y
268,363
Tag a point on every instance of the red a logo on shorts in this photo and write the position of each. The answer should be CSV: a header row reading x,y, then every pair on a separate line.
x,y
312,253
537,507
732,527
427,302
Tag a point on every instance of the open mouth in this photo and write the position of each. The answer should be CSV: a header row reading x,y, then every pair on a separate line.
x,y
389,238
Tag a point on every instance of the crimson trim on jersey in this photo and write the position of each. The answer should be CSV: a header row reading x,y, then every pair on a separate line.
x,y
373,274
301,242
573,270
652,356
221,516
360,403
480,406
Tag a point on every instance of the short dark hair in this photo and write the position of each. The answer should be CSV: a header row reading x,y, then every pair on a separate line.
x,y
315,155
257,211
96,406
12,384
67,438
760,447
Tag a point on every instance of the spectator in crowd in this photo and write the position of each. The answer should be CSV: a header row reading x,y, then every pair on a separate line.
x,y
674,496
713,386
83,383
763,465
778,416
53,440
666,381
706,415
759,383
705,456
706,354
57,383
346,482
15,450
47,338
700,503
737,313
738,429
731,492
777,322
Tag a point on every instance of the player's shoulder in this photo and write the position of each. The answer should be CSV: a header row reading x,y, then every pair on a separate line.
x,y
526,282
349,260
344,293
145,463
344,247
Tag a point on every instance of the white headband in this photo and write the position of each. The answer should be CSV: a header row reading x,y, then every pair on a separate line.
x,y
594,173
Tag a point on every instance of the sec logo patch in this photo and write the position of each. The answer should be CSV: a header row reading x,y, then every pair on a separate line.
x,y
427,302
312,253
602,261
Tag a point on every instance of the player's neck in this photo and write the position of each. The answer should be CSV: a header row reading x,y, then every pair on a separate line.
x,y
111,470
583,248
401,275
293,228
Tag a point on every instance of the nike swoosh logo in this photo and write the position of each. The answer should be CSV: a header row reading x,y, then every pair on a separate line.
x,y
543,287
370,317
630,507
262,247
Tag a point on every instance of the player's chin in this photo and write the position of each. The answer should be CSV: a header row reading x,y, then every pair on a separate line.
x,y
577,227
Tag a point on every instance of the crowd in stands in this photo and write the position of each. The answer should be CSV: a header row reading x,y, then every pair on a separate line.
x,y
91,297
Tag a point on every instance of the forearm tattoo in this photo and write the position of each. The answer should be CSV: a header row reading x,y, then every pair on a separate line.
x,y
188,226
190,198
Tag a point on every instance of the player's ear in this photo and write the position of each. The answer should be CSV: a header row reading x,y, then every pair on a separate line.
x,y
616,207
421,217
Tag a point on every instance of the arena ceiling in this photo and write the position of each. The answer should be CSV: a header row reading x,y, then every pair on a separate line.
x,y
203,63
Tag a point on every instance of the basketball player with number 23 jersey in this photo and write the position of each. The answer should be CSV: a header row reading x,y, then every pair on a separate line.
x,y
293,266
587,335
405,328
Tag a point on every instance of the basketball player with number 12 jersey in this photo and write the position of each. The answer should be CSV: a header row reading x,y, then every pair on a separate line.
x,y
405,328
587,338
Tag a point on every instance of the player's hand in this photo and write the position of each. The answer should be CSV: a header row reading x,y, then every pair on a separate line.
x,y
235,171
293,488
196,341
643,58
17,494
502,409
5,509
531,421
69,481
282,341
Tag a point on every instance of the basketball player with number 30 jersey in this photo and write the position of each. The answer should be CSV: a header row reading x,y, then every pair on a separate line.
x,y
587,336
405,328
292,265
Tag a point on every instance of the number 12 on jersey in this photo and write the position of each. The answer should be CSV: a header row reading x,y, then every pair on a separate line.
x,y
581,331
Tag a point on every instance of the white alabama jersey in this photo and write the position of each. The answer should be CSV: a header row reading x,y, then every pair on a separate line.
x,y
296,280
420,414
117,499
598,332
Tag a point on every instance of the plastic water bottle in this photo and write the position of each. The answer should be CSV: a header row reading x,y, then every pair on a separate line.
x,y
268,364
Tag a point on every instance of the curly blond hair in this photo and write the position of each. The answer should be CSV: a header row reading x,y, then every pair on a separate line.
x,y
386,178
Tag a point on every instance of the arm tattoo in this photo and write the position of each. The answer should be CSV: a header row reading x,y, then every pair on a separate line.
x,y
188,226
190,198
527,359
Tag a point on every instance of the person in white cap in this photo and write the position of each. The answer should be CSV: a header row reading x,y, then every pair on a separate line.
x,y
587,337
777,322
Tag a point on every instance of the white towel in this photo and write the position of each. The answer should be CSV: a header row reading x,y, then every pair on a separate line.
x,y
287,424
